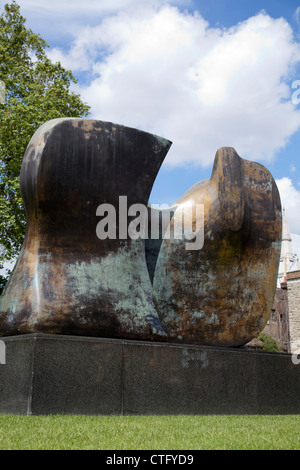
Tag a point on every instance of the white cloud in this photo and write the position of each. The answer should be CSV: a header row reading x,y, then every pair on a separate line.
x,y
296,244
297,15
290,200
75,7
168,72
90,7
59,21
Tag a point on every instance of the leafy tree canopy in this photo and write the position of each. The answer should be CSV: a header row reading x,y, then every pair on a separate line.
x,y
36,90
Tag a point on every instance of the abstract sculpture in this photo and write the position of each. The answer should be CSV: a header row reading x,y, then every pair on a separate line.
x,y
69,281
66,280
222,294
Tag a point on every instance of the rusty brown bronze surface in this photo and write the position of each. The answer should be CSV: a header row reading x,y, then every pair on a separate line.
x,y
222,294
66,280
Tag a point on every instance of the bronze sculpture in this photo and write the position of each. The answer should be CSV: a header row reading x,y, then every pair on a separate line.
x,y
68,281
223,294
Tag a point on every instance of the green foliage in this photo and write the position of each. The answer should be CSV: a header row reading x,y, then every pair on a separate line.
x,y
37,90
2,283
268,343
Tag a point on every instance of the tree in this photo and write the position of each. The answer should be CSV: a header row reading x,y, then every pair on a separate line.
x,y
36,90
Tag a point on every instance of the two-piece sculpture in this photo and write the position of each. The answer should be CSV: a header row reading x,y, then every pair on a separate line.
x,y
69,281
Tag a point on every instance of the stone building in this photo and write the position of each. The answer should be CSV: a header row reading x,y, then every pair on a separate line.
x,y
293,294
278,324
284,322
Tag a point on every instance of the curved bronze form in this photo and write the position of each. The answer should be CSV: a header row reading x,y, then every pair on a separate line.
x,y
66,280
222,294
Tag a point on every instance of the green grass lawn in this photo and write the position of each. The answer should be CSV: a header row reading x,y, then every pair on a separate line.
x,y
149,432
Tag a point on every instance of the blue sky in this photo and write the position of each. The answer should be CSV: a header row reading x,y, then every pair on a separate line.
x,y
204,74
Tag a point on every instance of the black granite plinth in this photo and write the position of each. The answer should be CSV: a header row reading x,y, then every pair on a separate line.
x,y
49,374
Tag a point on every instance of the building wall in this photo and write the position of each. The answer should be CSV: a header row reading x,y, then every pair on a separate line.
x,y
278,323
293,290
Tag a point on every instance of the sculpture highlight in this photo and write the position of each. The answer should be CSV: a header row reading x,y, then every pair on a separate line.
x,y
68,281
222,294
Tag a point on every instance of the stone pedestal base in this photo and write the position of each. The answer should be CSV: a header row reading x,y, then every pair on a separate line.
x,y
49,374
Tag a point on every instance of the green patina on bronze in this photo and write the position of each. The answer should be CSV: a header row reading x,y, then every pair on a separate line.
x,y
68,281
222,294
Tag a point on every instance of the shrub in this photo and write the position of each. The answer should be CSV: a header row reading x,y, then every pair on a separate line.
x,y
269,344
